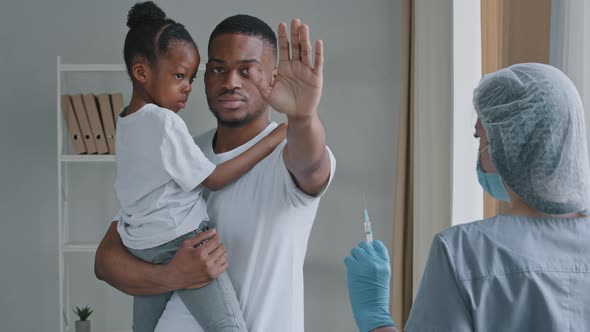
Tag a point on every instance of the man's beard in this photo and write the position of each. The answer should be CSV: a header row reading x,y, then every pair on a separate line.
x,y
238,122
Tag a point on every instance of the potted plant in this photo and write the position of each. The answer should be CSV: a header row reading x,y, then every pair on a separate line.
x,y
83,324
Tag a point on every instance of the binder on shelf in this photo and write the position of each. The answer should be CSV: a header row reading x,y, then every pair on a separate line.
x,y
117,105
95,123
72,124
108,123
84,124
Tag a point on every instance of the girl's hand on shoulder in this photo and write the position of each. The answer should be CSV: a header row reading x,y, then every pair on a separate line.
x,y
278,135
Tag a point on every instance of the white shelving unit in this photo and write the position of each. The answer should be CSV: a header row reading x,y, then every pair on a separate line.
x,y
81,158
64,160
76,256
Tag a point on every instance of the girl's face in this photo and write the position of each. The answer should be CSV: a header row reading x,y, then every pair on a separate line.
x,y
173,75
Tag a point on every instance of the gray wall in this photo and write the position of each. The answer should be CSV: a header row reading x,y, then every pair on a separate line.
x,y
359,108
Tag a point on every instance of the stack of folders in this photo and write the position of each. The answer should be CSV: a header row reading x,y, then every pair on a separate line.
x,y
92,121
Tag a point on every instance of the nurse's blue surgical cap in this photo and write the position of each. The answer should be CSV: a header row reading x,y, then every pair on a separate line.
x,y
534,119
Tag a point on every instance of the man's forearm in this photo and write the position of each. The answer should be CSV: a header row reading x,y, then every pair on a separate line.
x,y
125,272
194,265
305,155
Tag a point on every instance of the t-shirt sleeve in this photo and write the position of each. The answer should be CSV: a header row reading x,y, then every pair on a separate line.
x,y
439,304
182,159
297,196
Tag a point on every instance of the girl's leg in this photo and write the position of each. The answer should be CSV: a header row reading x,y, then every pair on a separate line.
x,y
215,306
147,311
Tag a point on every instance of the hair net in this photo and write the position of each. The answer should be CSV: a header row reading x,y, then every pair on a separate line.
x,y
534,120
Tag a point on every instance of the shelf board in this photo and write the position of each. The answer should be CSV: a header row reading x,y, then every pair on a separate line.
x,y
71,329
80,247
80,158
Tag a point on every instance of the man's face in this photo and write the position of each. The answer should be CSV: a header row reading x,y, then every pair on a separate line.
x,y
231,94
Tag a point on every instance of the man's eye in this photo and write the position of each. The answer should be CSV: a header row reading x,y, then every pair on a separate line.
x,y
217,70
244,71
179,76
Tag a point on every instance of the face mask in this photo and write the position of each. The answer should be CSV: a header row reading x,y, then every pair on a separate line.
x,y
491,182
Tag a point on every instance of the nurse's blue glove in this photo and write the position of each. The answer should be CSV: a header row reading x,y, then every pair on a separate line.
x,y
368,274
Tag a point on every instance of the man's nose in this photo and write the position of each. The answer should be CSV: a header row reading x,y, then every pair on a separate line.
x,y
232,81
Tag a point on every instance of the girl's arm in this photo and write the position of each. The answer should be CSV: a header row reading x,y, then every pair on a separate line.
x,y
229,171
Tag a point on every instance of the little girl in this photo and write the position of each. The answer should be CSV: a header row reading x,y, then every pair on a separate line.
x,y
161,173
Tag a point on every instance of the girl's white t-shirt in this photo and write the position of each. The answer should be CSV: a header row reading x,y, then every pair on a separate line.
x,y
159,175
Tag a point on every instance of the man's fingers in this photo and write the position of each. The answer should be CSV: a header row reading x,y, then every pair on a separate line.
x,y
218,269
222,269
258,81
211,245
199,238
197,285
217,253
305,44
283,43
319,57
222,259
295,44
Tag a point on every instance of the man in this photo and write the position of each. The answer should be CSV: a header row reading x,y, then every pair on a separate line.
x,y
266,216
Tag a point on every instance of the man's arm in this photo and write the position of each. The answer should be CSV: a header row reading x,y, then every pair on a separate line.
x,y
296,92
305,154
192,267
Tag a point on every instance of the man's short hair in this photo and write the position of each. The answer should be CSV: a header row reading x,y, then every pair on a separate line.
x,y
246,25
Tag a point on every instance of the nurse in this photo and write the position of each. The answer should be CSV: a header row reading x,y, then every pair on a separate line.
x,y
527,269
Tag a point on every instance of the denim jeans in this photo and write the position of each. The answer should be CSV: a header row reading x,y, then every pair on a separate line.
x,y
214,306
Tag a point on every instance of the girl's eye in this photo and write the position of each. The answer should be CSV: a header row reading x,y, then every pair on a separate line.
x,y
179,76
217,70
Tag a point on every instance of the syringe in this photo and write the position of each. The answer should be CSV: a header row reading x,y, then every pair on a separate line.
x,y
368,231
367,223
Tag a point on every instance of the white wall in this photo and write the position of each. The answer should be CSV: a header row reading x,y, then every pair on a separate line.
x,y
359,108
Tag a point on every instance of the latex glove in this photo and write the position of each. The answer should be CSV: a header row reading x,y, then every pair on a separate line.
x,y
368,275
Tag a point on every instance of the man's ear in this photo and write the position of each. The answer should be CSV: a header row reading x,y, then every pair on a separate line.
x,y
275,72
141,72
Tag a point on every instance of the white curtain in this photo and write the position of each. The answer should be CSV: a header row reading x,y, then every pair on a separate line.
x,y
570,51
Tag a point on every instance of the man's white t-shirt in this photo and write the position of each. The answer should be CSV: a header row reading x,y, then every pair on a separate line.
x,y
264,222
159,175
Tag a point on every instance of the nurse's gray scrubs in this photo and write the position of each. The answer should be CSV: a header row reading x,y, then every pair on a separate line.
x,y
514,273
